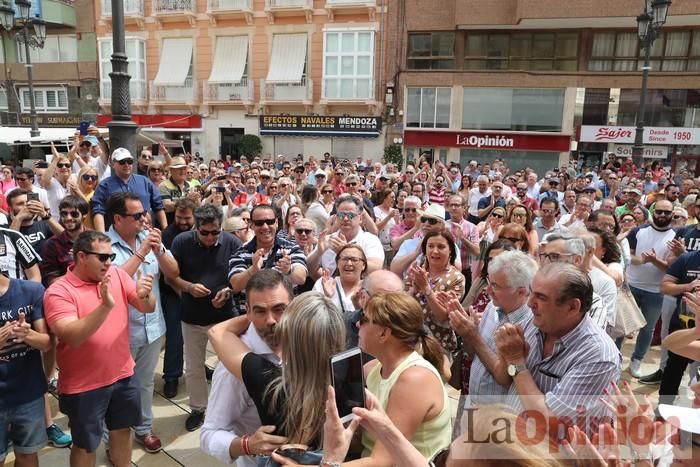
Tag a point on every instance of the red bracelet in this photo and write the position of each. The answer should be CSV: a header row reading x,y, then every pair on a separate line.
x,y
245,447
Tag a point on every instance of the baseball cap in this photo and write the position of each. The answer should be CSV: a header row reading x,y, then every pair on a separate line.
x,y
120,154
554,180
265,173
320,173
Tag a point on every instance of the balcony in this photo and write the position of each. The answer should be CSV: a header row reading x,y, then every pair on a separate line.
x,y
55,12
185,95
240,93
334,7
289,93
137,92
174,11
133,11
277,8
230,9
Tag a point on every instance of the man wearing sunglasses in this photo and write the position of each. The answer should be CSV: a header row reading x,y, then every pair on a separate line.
x,y
123,179
87,309
24,176
266,251
140,252
202,256
175,187
57,254
409,225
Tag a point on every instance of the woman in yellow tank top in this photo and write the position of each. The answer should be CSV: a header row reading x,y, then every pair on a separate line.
x,y
406,379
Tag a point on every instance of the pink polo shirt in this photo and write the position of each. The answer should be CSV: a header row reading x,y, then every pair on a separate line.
x,y
104,357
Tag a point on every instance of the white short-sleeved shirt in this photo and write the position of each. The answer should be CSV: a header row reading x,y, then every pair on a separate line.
x,y
369,243
474,196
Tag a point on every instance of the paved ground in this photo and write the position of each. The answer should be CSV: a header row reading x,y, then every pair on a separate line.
x,y
181,448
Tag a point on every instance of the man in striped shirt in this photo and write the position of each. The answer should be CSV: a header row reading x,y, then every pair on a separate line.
x,y
560,366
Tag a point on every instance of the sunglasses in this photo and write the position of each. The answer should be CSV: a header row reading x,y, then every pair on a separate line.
x,y
363,318
125,162
303,231
662,212
63,166
429,220
73,214
265,177
346,215
284,185
351,184
155,169
273,187
146,157
135,216
679,217
512,239
327,192
261,222
87,177
102,257
497,216
207,233
410,210
21,179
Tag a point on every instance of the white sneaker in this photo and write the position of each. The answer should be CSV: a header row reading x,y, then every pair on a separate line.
x,y
634,368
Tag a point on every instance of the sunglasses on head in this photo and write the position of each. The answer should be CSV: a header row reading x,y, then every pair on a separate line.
x,y
261,222
73,214
88,177
207,233
429,220
102,257
63,165
125,162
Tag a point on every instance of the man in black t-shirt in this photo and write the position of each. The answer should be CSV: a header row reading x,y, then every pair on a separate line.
x,y
32,219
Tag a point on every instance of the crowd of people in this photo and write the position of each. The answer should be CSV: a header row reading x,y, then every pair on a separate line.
x,y
517,289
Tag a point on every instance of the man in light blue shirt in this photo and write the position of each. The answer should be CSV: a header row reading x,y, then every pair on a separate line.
x,y
139,252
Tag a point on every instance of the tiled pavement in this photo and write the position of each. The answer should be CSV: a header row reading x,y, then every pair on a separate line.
x,y
181,448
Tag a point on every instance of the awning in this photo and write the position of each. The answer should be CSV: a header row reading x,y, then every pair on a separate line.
x,y
175,60
288,58
20,135
230,58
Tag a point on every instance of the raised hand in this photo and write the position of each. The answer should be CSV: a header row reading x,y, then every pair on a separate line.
x,y
21,329
285,263
465,324
105,294
257,261
6,333
511,344
328,284
144,285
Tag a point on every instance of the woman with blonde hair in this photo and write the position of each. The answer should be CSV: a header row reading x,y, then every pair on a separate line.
x,y
84,188
521,215
290,397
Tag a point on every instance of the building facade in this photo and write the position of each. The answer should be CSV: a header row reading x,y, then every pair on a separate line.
x,y
301,74
65,74
531,81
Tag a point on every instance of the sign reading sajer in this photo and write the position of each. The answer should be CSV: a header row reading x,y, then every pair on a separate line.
x,y
303,125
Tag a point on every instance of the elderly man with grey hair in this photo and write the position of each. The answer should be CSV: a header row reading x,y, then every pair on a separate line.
x,y
510,277
572,249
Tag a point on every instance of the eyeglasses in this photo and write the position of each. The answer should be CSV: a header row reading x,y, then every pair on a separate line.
x,y
410,210
519,214
125,162
155,169
676,217
327,192
429,220
512,239
553,257
350,259
272,187
102,257
146,157
136,216
547,211
627,220
497,216
346,215
21,179
363,317
207,233
351,184
73,214
261,222
265,177
662,212
303,231
88,177
63,166
284,185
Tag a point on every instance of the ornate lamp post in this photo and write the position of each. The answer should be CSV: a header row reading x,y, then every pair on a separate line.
x,y
122,130
34,40
649,25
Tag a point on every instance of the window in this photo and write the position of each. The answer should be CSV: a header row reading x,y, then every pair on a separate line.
x,y
521,51
348,65
513,109
428,107
136,53
56,49
46,100
3,98
431,51
620,51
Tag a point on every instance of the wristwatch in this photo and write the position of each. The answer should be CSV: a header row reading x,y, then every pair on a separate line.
x,y
47,216
515,369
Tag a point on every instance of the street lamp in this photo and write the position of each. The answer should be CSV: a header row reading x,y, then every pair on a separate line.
x,y
34,40
649,25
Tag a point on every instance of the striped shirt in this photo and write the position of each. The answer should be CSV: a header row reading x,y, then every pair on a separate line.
x,y
573,377
16,254
482,384
243,258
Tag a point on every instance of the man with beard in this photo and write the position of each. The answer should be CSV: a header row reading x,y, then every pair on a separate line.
x,y
232,418
58,250
649,246
173,358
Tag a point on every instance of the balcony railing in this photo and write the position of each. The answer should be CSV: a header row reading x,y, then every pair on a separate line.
x,y
302,91
229,5
131,8
175,94
173,6
228,91
288,3
350,2
137,91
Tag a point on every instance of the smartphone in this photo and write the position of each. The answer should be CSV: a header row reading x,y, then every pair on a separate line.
x,y
348,381
32,196
220,189
83,128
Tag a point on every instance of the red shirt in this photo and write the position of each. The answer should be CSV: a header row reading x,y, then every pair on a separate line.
x,y
242,198
104,357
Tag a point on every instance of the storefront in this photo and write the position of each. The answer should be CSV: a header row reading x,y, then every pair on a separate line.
x,y
673,146
156,128
341,136
539,151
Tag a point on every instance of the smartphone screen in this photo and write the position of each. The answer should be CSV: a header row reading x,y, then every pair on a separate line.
x,y
348,381
32,196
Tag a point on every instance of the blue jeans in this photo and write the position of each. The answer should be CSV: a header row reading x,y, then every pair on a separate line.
x,y
146,359
24,425
173,358
650,304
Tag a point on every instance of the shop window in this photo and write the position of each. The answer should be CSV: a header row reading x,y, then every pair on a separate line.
x,y
521,51
540,162
620,51
428,107
348,148
46,100
431,51
512,109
